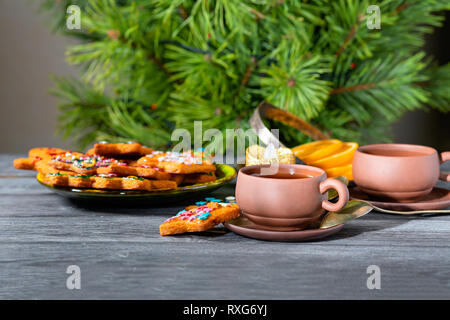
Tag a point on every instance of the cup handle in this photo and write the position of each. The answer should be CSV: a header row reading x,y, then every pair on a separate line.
x,y
444,156
342,191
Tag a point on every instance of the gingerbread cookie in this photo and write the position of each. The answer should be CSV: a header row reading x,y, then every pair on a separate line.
x,y
229,199
35,155
97,182
81,163
199,218
45,153
43,167
25,163
106,182
195,178
95,164
163,184
180,163
178,178
120,150
123,169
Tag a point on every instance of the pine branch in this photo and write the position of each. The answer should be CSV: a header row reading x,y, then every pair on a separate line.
x,y
294,83
405,24
356,87
385,85
351,35
437,86
159,64
115,34
247,75
83,110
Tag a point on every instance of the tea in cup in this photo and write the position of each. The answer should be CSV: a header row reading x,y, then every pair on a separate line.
x,y
290,199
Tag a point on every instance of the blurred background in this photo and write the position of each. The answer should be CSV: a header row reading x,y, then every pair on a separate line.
x,y
30,52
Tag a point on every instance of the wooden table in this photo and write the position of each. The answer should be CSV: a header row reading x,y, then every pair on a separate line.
x,y
122,256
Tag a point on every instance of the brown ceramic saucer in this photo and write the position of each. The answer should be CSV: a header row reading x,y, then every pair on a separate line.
x,y
437,199
246,228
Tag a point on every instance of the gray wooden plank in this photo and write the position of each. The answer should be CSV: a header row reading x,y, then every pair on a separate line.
x,y
221,270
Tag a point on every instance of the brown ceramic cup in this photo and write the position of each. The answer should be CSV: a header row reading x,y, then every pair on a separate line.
x,y
401,172
291,199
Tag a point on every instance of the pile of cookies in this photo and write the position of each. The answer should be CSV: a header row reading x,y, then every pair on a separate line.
x,y
119,166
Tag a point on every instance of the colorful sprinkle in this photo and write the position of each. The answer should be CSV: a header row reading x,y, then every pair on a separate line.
x,y
86,162
198,213
182,211
187,158
108,175
203,216
87,176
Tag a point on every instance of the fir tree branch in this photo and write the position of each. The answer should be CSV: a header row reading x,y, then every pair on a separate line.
x,y
401,7
258,14
248,72
362,86
351,35
116,35
385,85
159,64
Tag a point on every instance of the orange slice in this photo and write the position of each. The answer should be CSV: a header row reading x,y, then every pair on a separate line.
x,y
341,157
345,171
314,151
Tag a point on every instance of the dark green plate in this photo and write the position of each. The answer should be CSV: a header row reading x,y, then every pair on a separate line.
x,y
224,175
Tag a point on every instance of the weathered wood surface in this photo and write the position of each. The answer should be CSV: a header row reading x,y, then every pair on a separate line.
x,y
122,256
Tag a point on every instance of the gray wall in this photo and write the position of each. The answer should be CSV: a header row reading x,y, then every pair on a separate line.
x,y
29,53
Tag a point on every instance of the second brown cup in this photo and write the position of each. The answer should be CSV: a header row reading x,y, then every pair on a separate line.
x,y
290,199
402,172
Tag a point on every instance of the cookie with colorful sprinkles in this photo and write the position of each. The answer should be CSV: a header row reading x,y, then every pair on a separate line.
x,y
81,163
36,155
195,178
161,170
25,163
45,153
106,182
120,150
201,217
180,163
44,168
124,169
95,164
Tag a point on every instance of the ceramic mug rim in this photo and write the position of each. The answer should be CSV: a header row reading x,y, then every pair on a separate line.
x,y
427,151
320,172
